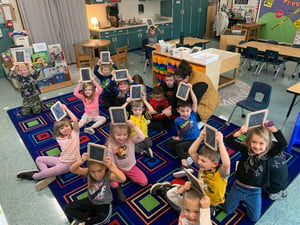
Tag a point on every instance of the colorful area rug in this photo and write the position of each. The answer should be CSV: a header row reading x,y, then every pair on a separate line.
x,y
140,207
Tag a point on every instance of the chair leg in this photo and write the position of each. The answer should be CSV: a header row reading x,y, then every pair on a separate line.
x,y
259,69
145,65
228,121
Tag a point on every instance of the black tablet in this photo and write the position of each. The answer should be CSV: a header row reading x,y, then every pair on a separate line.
x,y
57,111
105,56
117,115
256,118
197,185
183,91
121,74
85,74
20,56
136,92
96,152
210,137
150,22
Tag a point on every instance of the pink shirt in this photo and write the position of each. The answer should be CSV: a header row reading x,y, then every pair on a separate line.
x,y
123,157
70,150
91,108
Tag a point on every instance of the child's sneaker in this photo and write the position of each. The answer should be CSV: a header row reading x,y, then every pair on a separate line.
x,y
26,174
278,196
89,130
160,188
44,183
76,222
181,173
189,160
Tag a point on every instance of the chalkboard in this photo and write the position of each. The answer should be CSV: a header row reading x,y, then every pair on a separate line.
x,y
183,91
121,74
197,185
105,56
57,111
96,152
136,92
85,74
150,22
20,56
210,137
117,114
256,118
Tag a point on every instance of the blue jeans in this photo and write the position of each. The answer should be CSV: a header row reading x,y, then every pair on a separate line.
x,y
250,196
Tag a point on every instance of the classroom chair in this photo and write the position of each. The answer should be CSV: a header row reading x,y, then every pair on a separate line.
x,y
121,58
257,99
297,60
295,138
146,58
81,58
250,56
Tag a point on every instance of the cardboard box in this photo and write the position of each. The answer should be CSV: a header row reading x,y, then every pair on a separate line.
x,y
181,52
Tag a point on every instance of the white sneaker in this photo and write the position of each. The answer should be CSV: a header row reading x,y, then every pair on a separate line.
x,y
44,183
189,160
150,153
89,130
181,173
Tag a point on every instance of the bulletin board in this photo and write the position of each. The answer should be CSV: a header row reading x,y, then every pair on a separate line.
x,y
7,12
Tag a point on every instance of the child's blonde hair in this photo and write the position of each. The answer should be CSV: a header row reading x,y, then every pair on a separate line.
x,y
191,194
136,103
105,66
212,155
262,132
92,181
88,84
113,128
59,124
24,65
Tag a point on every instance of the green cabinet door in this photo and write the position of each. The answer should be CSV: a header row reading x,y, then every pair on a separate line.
x,y
135,36
168,31
120,39
109,35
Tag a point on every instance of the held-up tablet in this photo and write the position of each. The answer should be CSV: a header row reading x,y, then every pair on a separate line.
x,y
57,111
197,185
117,114
85,74
121,74
105,56
19,55
256,118
96,152
150,22
136,92
183,91
210,137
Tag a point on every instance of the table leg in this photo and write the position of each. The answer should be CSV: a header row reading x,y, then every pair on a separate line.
x,y
290,109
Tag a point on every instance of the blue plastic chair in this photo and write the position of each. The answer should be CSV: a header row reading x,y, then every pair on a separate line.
x,y
297,69
257,99
295,138
271,57
250,56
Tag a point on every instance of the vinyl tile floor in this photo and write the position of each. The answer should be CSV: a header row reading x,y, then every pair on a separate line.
x,y
24,205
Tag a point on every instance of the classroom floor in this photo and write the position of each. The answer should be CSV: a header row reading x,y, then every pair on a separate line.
x,y
23,204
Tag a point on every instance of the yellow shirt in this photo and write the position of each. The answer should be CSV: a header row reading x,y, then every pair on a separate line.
x,y
140,122
216,185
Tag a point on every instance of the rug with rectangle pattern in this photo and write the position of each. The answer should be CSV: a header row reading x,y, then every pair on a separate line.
x,y
140,207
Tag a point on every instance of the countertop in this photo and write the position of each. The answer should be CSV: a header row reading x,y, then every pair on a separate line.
x,y
130,26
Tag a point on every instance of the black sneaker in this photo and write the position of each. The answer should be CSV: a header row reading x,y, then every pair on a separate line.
x,y
27,174
120,193
160,188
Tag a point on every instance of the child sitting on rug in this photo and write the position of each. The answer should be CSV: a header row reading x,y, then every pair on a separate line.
x,y
66,134
110,89
169,86
120,148
97,207
194,210
139,80
90,98
186,127
140,119
252,173
214,175
29,88
159,102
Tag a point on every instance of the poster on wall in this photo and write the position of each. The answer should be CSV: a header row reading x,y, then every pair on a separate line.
x,y
282,18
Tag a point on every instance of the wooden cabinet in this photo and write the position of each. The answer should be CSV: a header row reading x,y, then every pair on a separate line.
x,y
135,36
189,17
229,38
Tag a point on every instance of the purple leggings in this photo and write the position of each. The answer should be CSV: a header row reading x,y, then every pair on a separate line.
x,y
50,166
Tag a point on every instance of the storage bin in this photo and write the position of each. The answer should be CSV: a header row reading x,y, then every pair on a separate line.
x,y
45,82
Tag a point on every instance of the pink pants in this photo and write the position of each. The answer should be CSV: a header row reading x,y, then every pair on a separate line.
x,y
50,166
136,175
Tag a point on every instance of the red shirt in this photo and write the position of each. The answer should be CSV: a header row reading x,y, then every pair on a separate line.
x,y
159,106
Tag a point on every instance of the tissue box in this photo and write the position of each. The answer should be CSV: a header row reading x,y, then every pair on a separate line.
x,y
205,58
21,40
181,52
